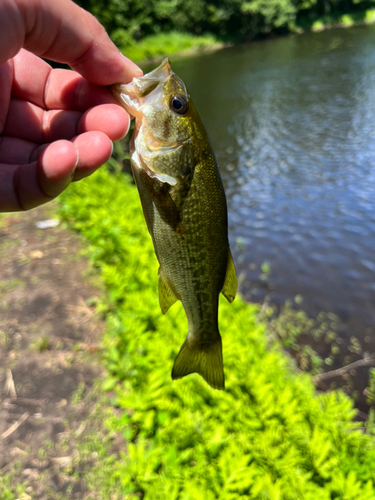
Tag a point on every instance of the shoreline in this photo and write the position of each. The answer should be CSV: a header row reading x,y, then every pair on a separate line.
x,y
257,368
317,26
120,300
187,53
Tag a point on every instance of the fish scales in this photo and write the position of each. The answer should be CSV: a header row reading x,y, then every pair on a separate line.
x,y
184,204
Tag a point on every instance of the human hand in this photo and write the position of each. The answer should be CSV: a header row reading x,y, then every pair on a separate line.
x,y
55,125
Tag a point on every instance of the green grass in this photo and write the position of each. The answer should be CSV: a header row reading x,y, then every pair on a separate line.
x,y
42,344
11,285
155,47
268,436
96,459
164,44
8,490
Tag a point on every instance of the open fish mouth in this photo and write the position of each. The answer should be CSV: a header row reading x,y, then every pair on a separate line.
x,y
144,85
133,95
140,95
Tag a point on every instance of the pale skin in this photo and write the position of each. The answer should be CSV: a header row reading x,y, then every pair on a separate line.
x,y
56,126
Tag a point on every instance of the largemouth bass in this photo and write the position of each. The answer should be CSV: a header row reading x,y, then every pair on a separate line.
x,y
184,205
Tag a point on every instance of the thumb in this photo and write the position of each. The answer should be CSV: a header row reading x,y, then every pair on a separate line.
x,y
62,31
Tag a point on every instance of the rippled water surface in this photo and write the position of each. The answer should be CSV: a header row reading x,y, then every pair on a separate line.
x,y
292,122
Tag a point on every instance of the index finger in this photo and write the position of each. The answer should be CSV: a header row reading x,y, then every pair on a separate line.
x,y
35,81
63,32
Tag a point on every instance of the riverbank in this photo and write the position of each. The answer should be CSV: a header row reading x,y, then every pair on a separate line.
x,y
52,413
186,440
269,435
154,48
343,21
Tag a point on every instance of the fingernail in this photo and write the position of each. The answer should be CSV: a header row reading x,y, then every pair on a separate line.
x,y
135,69
112,148
76,164
129,123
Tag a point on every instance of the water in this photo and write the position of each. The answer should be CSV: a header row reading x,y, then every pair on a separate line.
x,y
292,122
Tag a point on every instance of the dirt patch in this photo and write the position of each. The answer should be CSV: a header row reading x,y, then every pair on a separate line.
x,y
49,338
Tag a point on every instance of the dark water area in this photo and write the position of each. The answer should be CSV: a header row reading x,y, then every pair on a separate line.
x,y
292,122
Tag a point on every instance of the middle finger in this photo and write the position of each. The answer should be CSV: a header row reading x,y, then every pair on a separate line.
x,y
31,123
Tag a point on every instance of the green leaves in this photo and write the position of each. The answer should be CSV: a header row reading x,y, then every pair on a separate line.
x,y
145,30
267,437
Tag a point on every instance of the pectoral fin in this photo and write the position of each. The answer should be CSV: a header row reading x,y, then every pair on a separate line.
x,y
167,208
230,285
166,295
159,193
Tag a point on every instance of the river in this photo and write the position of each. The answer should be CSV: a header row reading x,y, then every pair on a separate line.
x,y
292,122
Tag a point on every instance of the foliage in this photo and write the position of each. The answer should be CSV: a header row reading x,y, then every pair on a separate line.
x,y
130,21
298,333
163,44
42,344
8,490
268,436
371,389
370,16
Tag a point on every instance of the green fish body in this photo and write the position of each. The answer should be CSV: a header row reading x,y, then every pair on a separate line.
x,y
184,205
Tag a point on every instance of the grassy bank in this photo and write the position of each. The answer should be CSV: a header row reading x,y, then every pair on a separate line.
x,y
268,436
337,21
155,47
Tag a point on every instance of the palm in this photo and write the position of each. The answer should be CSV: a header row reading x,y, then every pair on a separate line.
x,y
54,127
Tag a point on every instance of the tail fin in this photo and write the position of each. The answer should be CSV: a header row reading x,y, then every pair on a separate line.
x,y
203,358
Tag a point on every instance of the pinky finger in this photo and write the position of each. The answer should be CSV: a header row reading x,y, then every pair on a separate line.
x,y
30,185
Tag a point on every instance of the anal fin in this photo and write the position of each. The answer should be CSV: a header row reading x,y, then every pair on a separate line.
x,y
230,284
166,296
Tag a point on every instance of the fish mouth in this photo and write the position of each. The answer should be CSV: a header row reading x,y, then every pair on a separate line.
x,y
132,95
144,85
146,89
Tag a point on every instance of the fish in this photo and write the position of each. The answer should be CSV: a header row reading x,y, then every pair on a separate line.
x,y
184,204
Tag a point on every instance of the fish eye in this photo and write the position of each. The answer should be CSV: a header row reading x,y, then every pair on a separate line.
x,y
179,104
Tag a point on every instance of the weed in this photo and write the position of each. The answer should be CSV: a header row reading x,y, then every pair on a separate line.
x,y
267,436
42,344
78,395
